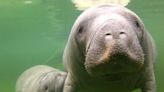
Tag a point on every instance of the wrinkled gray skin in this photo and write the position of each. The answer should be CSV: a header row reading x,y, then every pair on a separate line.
x,y
109,50
41,78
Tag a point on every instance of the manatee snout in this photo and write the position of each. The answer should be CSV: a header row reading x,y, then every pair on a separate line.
x,y
120,53
114,48
115,59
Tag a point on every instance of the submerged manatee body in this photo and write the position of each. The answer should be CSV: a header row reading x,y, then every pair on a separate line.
x,y
41,78
108,50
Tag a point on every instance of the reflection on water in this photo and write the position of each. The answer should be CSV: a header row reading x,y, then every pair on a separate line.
x,y
84,4
28,2
36,33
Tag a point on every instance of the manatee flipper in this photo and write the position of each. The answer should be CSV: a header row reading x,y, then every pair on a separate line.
x,y
149,84
41,78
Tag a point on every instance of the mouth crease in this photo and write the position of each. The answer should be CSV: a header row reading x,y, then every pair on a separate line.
x,y
105,58
132,57
89,44
92,36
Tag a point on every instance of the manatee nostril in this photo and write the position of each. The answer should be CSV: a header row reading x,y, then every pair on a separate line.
x,y
122,33
108,34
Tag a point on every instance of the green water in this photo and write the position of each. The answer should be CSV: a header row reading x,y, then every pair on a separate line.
x,y
36,33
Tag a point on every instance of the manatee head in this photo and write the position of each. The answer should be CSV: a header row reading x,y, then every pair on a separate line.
x,y
108,40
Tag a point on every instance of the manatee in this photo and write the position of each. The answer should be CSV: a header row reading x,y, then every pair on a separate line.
x,y
41,78
109,50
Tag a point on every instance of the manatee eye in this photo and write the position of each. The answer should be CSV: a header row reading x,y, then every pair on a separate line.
x,y
80,30
80,34
46,87
137,24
